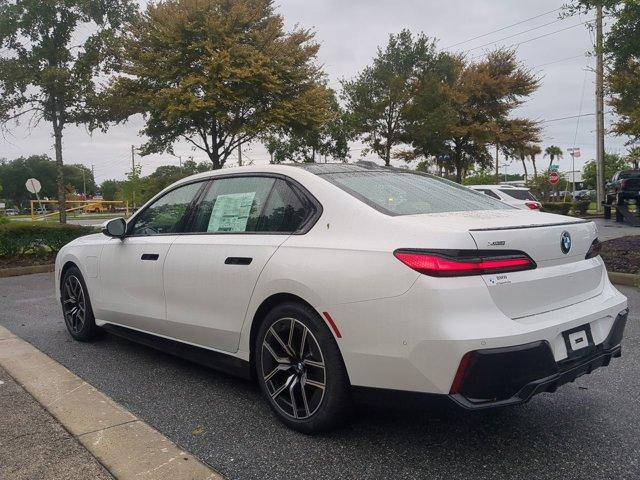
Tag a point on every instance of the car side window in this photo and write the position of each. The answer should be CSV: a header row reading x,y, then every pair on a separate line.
x,y
233,205
286,210
166,214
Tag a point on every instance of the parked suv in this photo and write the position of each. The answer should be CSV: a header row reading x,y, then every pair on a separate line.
x,y
625,185
518,197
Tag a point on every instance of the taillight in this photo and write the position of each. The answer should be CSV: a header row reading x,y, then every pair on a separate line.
x,y
457,263
594,249
533,205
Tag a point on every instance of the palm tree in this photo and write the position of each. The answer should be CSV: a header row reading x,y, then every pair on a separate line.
x,y
553,152
522,155
533,151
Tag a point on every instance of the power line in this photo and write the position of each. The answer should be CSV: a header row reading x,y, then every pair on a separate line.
x,y
534,38
570,117
504,28
517,34
559,61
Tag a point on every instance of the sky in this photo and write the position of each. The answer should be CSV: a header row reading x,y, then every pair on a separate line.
x,y
350,31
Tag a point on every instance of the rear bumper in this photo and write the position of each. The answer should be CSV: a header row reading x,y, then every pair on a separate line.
x,y
512,375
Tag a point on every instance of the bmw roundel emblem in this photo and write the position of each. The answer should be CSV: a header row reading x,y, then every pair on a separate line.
x,y
565,242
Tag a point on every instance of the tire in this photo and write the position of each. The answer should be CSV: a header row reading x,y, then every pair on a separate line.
x,y
304,395
76,307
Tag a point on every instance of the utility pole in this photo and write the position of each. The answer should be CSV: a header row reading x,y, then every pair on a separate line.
x,y
599,109
84,183
239,154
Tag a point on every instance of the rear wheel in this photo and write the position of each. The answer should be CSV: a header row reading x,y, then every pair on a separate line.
x,y
76,306
300,369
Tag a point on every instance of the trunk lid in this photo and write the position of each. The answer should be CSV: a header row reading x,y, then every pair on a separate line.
x,y
560,279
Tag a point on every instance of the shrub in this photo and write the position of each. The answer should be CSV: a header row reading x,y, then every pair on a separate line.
x,y
3,220
580,207
20,238
561,208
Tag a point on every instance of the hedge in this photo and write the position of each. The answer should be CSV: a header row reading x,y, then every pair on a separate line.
x,y
562,208
21,238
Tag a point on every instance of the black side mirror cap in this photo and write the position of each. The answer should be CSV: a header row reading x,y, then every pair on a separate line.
x,y
116,228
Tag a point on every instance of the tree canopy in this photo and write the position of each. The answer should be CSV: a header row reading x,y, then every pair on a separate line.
x,y
50,71
14,174
378,98
217,74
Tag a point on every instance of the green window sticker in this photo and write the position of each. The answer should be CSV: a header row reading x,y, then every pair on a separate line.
x,y
231,212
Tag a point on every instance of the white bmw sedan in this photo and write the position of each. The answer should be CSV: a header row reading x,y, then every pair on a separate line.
x,y
320,280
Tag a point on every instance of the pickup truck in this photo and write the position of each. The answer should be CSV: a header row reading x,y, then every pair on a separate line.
x,y
625,185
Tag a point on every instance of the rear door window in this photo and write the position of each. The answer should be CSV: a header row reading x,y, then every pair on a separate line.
x,y
252,205
233,205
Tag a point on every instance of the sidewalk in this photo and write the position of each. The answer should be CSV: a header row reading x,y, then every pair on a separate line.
x,y
34,445
43,426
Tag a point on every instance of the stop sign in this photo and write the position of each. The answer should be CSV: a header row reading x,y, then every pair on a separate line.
x,y
554,178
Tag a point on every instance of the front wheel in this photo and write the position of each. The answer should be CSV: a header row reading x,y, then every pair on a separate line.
x,y
76,306
300,369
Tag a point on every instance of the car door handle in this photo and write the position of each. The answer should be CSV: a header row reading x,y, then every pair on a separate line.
x,y
238,261
150,256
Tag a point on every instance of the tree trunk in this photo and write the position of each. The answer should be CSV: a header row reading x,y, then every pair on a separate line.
x,y
497,165
214,156
550,161
535,168
524,165
62,193
387,155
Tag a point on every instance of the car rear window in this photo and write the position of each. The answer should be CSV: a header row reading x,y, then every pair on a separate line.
x,y
518,194
409,193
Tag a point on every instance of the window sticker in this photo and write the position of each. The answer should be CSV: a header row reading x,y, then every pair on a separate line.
x,y
231,212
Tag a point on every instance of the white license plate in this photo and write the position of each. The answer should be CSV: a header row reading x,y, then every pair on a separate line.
x,y
578,340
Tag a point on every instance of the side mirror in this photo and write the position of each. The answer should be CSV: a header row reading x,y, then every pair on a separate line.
x,y
115,228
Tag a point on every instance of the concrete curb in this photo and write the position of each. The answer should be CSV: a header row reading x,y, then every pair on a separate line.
x,y
126,446
17,271
628,279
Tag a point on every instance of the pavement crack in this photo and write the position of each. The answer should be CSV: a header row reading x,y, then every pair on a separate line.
x,y
107,428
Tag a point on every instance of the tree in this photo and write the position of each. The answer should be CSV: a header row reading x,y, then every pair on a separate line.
x,y
377,99
612,164
481,96
622,48
553,152
329,139
518,137
217,74
534,151
109,189
50,73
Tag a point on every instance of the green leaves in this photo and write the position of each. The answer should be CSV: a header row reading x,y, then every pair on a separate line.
x,y
217,74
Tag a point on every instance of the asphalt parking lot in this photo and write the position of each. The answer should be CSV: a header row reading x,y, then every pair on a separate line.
x,y
586,430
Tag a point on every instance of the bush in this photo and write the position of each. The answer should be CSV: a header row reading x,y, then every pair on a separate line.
x,y
580,207
3,220
20,238
561,208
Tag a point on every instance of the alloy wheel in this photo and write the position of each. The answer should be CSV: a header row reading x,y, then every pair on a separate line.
x,y
74,304
293,368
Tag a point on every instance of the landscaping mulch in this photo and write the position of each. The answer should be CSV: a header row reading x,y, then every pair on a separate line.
x,y
27,261
622,254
